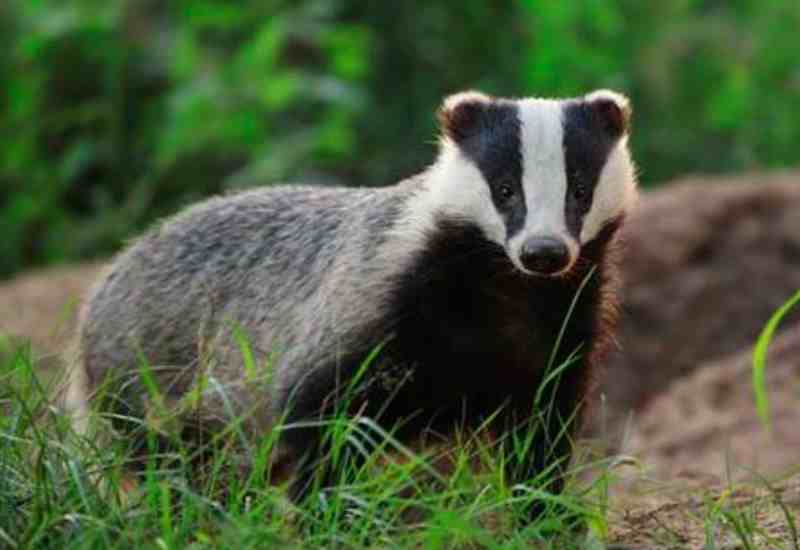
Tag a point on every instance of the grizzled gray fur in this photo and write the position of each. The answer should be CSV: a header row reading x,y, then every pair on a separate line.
x,y
270,263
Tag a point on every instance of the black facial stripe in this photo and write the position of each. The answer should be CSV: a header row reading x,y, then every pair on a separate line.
x,y
587,145
495,148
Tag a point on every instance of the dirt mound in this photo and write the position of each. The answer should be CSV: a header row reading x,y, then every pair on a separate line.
x,y
708,261
705,425
42,306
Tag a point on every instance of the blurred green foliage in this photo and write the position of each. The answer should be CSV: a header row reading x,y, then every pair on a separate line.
x,y
116,112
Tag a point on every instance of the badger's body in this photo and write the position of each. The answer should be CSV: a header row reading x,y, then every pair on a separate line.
x,y
461,278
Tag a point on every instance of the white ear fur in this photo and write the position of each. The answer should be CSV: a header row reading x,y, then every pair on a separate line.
x,y
460,113
614,107
619,99
470,96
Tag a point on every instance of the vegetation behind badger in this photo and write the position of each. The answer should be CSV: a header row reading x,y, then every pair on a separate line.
x,y
461,276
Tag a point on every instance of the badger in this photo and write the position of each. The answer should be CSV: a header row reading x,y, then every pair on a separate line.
x,y
448,297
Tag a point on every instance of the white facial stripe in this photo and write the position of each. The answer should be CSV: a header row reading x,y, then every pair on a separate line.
x,y
544,179
614,193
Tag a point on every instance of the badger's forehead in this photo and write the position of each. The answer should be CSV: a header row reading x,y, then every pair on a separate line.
x,y
537,138
544,174
541,136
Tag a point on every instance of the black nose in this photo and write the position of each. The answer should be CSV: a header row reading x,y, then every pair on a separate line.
x,y
544,255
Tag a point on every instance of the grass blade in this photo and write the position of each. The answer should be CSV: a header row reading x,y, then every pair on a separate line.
x,y
760,359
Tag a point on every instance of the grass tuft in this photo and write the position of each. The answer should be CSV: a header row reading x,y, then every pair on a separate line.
x,y
60,490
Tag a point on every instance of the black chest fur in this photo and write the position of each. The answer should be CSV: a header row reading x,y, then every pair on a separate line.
x,y
471,332
465,339
464,335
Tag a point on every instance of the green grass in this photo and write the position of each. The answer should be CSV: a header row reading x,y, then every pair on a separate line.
x,y
760,357
58,490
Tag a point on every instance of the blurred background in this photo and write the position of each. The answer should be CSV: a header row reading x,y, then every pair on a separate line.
x,y
114,113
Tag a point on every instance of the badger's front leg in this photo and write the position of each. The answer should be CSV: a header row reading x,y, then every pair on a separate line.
x,y
537,439
316,469
322,398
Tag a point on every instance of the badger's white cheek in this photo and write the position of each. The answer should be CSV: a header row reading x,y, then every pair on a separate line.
x,y
493,227
460,191
614,193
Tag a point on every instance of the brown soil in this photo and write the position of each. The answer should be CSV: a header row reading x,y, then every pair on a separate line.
x,y
42,307
685,516
701,447
706,424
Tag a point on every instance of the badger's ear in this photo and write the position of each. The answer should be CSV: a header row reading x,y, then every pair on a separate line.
x,y
460,114
612,109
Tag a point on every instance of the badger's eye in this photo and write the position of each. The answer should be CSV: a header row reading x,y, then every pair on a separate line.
x,y
579,190
506,190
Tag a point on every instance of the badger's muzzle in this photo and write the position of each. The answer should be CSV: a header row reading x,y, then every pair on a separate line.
x,y
544,255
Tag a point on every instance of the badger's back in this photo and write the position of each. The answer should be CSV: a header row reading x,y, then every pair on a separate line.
x,y
256,270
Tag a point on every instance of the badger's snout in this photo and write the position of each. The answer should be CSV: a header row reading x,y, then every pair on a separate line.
x,y
544,255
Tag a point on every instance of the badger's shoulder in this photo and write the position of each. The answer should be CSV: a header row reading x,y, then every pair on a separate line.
x,y
278,241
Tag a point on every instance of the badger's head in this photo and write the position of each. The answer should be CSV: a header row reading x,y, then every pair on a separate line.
x,y
540,177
